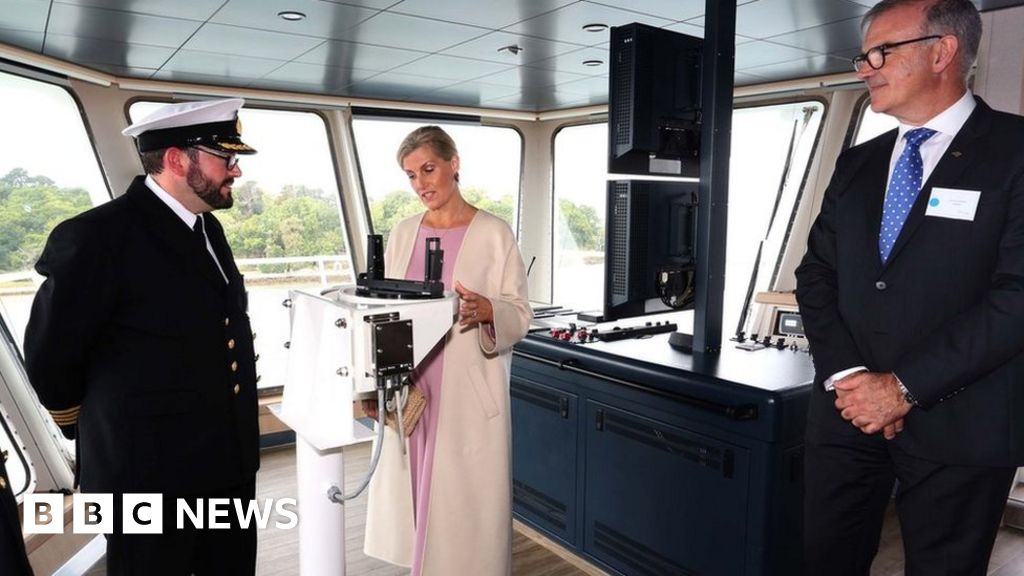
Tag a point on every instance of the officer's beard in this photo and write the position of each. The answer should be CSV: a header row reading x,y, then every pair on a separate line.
x,y
207,190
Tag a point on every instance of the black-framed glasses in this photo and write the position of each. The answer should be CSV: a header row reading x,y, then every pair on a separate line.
x,y
875,57
230,160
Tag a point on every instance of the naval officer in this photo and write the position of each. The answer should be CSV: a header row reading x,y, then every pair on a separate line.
x,y
140,347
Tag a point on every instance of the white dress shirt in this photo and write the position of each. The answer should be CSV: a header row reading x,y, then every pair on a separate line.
x,y
186,216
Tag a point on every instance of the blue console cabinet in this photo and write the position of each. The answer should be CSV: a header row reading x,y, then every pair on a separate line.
x,y
650,462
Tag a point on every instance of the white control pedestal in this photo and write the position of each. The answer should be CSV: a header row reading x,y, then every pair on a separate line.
x,y
341,346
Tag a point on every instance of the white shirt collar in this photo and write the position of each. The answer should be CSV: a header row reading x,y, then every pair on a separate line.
x,y
949,121
185,214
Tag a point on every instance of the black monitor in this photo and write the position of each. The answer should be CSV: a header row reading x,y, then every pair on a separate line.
x,y
654,109
650,261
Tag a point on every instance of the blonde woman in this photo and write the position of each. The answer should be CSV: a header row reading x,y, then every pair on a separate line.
x,y
444,508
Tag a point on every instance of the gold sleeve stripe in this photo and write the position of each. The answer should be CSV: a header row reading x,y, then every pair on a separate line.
x,y
65,417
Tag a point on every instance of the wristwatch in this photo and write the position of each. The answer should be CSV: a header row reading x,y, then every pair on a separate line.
x,y
906,393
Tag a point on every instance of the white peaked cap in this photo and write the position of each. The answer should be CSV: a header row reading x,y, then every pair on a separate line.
x,y
212,123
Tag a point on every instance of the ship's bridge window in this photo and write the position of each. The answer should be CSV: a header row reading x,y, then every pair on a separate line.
x,y
490,159
771,152
772,147
871,123
285,228
580,184
48,173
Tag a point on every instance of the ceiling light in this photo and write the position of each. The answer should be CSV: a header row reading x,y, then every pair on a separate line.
x,y
291,15
595,27
593,62
513,49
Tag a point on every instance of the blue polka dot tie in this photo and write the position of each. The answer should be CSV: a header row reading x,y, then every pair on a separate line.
x,y
903,188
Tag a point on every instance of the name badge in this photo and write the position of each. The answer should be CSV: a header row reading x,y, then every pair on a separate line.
x,y
953,203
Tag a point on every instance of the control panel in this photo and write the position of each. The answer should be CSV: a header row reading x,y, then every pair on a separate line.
x,y
575,334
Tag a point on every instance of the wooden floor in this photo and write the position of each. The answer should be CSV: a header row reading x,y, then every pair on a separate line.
x,y
278,553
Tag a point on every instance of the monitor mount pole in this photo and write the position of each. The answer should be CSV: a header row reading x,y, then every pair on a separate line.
x,y
713,192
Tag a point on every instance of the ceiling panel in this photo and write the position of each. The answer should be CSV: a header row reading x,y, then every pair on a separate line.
x,y
119,26
760,53
671,9
816,65
218,38
32,41
566,24
533,49
539,101
766,18
451,67
472,93
743,79
91,51
411,32
323,19
25,16
198,78
229,65
574,62
692,30
595,88
124,71
394,86
188,10
526,78
443,51
363,56
330,78
375,4
492,14
838,37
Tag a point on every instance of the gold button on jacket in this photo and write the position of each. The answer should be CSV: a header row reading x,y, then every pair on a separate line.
x,y
231,344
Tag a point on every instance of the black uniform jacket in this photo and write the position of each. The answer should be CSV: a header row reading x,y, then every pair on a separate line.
x,y
13,561
137,345
946,312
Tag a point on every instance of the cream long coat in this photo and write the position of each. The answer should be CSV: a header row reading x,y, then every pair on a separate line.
x,y
469,524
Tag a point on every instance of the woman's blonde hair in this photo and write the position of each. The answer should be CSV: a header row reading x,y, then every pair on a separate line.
x,y
438,140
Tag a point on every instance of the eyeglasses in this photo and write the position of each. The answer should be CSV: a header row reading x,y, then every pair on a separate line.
x,y
875,57
230,160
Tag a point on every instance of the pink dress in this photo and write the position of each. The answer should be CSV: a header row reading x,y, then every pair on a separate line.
x,y
427,378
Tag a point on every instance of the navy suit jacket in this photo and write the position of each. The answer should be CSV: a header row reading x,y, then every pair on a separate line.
x,y
946,312
135,332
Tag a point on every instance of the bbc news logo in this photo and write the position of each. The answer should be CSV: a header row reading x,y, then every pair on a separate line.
x,y
144,513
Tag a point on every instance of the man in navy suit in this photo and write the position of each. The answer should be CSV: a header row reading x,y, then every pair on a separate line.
x,y
140,347
912,294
